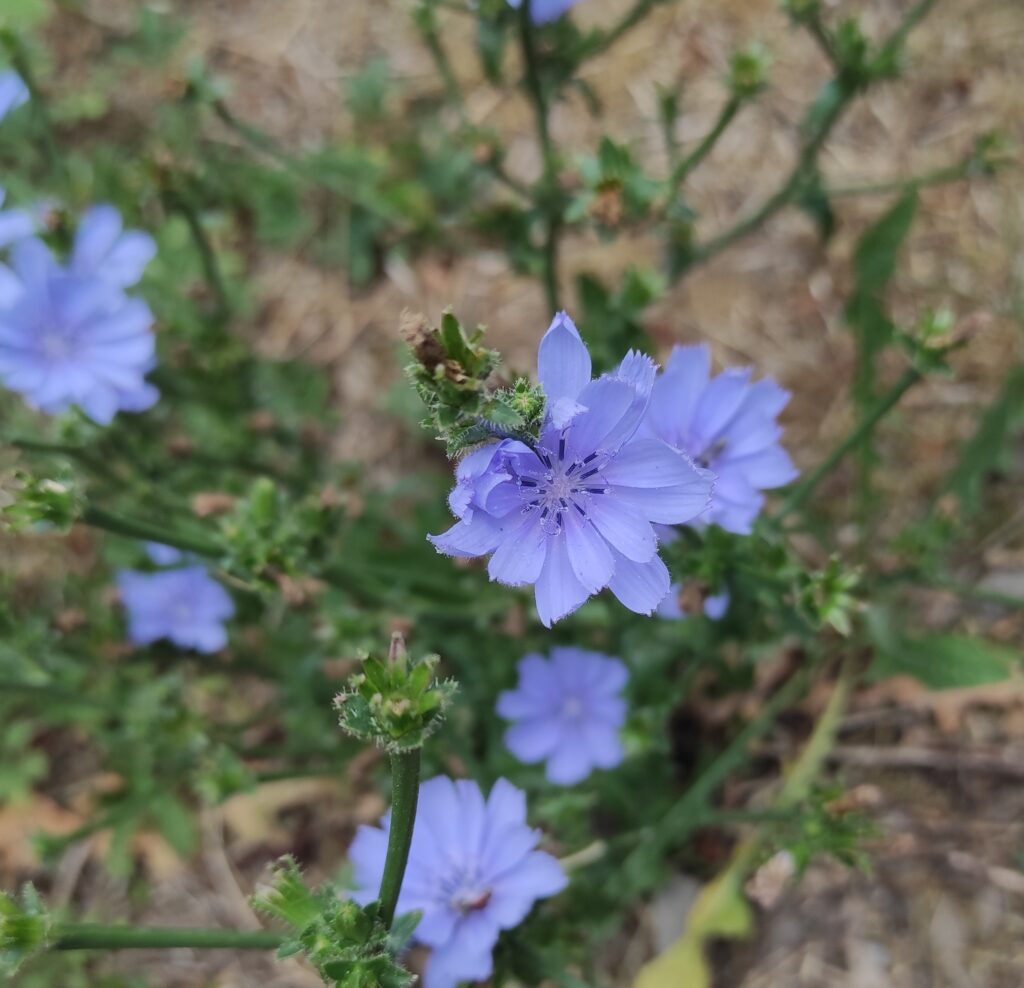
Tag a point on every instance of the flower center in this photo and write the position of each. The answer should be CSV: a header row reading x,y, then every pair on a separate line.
x,y
469,900
710,453
564,486
572,708
55,345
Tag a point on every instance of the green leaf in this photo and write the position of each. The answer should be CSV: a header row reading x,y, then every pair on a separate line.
x,y
875,258
176,824
985,450
947,661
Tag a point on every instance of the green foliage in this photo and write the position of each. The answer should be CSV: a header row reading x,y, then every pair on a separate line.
x,y
346,943
826,597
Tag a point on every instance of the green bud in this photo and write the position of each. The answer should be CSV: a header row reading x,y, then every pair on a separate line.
x,y
748,70
27,501
397,704
826,597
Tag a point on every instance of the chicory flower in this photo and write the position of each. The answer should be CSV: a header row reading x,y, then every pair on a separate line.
x,y
568,712
573,513
13,92
544,11
473,871
186,606
726,424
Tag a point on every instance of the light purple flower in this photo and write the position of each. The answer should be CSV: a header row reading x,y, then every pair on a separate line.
x,y
104,250
567,713
186,606
715,606
573,514
72,339
13,92
16,224
726,424
543,11
473,871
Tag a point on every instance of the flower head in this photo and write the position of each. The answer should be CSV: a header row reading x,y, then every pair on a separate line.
x,y
568,712
714,606
544,11
726,424
473,871
186,606
13,92
72,338
573,513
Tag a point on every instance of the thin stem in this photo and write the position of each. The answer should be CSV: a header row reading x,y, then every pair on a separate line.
x,y
549,199
94,936
181,203
802,491
629,20
705,147
940,176
427,25
405,790
137,529
846,91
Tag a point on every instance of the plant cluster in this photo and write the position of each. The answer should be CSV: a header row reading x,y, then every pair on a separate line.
x,y
223,565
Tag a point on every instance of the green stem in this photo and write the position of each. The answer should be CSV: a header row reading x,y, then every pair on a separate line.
x,y
180,202
629,20
405,790
705,147
427,24
94,936
940,176
137,529
802,491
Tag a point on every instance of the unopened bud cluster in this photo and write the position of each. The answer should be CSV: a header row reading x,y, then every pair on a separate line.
x,y
25,928
396,703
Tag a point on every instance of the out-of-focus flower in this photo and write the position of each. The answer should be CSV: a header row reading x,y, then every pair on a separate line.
x,y
473,871
16,224
13,92
71,339
726,424
186,606
567,712
543,11
573,514
715,606
104,249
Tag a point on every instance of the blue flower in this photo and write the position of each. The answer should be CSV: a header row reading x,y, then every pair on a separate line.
x,y
72,337
186,606
726,424
543,11
13,92
715,605
573,513
568,712
473,871
16,224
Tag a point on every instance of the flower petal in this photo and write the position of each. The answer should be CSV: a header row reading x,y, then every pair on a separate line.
x,y
557,591
623,527
676,392
640,586
589,555
563,361
520,555
650,463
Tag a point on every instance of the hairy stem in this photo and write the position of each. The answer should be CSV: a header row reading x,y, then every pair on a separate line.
x,y
405,791
94,936
181,203
802,491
